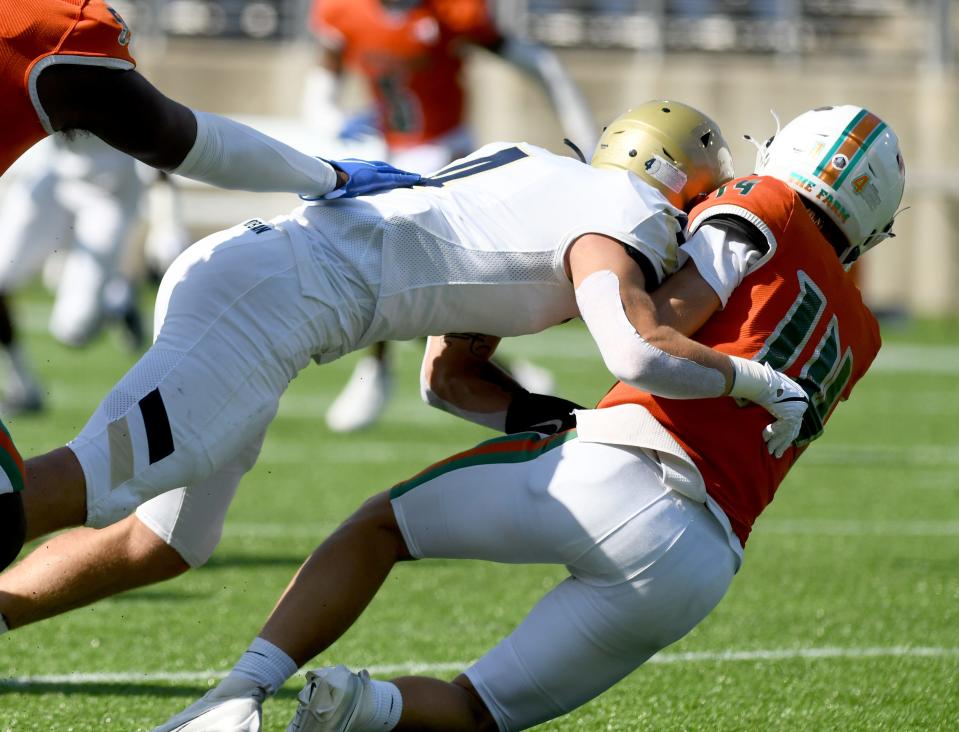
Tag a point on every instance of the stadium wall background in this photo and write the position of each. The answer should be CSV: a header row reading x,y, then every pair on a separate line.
x,y
917,272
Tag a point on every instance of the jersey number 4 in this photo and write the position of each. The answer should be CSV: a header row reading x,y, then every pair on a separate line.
x,y
825,375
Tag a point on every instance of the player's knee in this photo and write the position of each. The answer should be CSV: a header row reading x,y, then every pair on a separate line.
x,y
145,549
482,719
13,528
375,518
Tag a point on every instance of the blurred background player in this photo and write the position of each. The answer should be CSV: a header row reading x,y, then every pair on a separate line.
x,y
72,208
410,54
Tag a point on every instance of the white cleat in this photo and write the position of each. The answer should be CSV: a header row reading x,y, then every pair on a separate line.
x,y
235,705
330,701
364,397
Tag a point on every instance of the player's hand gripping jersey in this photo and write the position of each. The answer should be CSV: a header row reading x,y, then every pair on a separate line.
x,y
409,57
37,33
799,311
480,246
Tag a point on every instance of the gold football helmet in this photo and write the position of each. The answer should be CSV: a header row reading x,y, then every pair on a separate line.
x,y
675,148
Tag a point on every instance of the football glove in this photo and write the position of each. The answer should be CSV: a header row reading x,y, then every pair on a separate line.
x,y
365,177
775,392
541,413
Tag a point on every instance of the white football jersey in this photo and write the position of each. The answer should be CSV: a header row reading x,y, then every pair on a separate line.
x,y
480,246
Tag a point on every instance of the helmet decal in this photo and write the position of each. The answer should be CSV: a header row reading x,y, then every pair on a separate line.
x,y
851,145
669,145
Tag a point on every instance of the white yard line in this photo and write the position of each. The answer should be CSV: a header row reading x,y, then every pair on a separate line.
x,y
416,667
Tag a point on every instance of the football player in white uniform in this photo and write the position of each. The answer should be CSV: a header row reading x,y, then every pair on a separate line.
x,y
491,244
82,200
651,534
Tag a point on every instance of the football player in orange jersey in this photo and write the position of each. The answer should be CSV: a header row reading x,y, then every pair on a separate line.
x,y
410,55
649,498
66,65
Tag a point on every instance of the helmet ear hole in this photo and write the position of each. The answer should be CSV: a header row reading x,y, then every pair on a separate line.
x,y
706,138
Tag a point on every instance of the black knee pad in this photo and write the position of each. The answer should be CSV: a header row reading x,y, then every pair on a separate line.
x,y
13,528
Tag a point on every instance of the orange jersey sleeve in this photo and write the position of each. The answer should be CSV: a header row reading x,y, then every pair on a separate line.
x,y
326,22
35,34
798,311
469,19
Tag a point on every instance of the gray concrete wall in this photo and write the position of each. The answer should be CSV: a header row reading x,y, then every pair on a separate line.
x,y
917,270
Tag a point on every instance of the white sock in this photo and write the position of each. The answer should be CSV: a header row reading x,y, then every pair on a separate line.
x,y
380,710
266,664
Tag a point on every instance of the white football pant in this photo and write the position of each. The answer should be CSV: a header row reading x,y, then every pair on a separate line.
x,y
646,563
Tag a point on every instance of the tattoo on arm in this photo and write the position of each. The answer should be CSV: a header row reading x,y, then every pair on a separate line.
x,y
479,345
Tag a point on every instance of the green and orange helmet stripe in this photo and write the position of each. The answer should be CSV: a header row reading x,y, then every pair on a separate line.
x,y
864,129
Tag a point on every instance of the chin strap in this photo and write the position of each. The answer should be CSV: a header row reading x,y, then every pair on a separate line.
x,y
762,149
572,146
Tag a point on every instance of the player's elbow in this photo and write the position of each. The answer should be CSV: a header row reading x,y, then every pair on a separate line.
x,y
434,382
638,361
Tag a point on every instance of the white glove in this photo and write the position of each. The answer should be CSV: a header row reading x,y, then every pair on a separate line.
x,y
779,395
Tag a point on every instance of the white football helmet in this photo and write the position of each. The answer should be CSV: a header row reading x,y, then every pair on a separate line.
x,y
845,161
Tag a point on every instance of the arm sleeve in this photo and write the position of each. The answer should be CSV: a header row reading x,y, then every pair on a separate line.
x,y
629,357
231,155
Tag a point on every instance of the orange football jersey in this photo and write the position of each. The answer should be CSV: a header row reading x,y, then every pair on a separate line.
x,y
409,57
801,313
37,33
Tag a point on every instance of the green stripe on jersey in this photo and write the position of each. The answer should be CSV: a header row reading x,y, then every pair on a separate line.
x,y
477,456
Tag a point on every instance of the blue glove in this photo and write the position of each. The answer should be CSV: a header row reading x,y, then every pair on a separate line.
x,y
360,127
366,177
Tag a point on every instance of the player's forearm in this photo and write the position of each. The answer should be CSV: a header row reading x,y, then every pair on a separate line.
x,y
228,154
129,113
659,360
480,393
